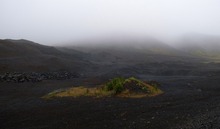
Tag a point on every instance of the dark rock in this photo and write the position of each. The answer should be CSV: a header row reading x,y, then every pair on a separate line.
x,y
36,77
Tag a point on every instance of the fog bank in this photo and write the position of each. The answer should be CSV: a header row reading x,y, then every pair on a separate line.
x,y
55,21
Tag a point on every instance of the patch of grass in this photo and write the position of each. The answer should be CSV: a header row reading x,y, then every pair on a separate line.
x,y
115,85
77,92
121,87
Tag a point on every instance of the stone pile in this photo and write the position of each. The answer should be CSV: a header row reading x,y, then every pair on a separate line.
x,y
36,77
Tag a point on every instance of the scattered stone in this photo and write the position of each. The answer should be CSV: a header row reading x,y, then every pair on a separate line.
x,y
19,77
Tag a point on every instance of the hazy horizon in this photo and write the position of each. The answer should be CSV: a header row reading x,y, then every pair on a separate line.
x,y
54,21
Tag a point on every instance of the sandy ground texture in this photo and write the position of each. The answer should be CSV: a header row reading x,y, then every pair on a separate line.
x,y
188,102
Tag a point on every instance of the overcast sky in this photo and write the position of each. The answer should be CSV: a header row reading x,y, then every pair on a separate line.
x,y
53,21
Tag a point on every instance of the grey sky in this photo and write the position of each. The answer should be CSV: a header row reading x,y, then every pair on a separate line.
x,y
53,21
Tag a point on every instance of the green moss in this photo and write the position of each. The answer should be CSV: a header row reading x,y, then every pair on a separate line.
x,y
115,85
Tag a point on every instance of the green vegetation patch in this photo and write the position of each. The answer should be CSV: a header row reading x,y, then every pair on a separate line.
x,y
120,87
132,87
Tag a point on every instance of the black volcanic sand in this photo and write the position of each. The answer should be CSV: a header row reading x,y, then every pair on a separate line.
x,y
188,102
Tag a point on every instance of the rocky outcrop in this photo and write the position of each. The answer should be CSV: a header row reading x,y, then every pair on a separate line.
x,y
36,77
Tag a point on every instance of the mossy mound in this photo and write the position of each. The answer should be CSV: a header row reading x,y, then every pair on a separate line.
x,y
132,87
121,87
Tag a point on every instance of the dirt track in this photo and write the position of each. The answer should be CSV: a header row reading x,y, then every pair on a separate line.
x,y
188,102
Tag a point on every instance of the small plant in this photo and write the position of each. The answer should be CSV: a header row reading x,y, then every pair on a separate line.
x,y
115,85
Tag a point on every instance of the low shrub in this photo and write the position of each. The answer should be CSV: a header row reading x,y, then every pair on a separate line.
x,y
115,85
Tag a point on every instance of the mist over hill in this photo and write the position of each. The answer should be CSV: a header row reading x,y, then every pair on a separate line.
x,y
124,48
200,45
137,56
109,64
126,55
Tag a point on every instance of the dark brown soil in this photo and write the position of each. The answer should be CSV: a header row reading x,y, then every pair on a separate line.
x,y
188,102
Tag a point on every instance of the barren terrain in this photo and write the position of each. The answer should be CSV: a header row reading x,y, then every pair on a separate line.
x,y
190,86
188,102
